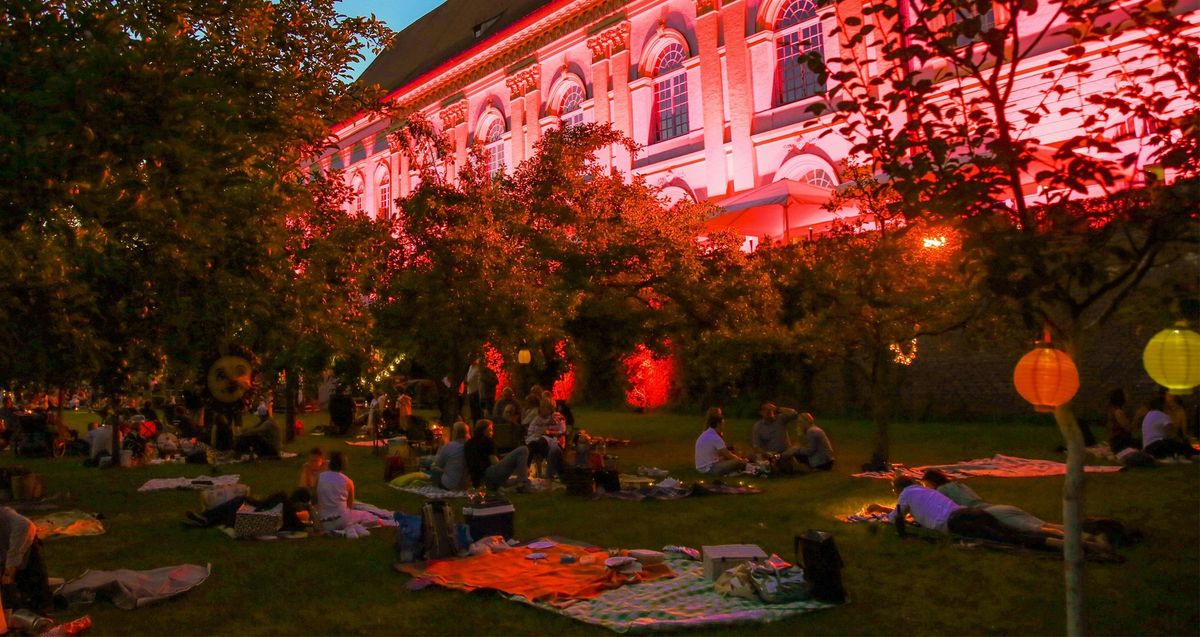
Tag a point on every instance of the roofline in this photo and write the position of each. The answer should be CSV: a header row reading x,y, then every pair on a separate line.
x,y
523,23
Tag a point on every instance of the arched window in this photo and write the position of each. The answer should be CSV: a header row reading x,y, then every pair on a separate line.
x,y
383,180
670,94
570,107
494,145
818,177
797,33
357,187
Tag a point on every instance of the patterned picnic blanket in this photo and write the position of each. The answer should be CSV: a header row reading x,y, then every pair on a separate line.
x,y
429,491
546,579
198,483
998,466
684,601
67,524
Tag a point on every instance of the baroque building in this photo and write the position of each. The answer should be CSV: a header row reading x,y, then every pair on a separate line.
x,y
713,91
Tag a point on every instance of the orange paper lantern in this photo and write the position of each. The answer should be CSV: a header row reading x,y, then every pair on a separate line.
x,y
524,357
1046,377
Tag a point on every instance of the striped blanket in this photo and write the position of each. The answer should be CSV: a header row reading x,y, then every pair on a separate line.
x,y
998,466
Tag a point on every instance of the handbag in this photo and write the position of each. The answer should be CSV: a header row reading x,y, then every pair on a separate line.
x,y
778,586
252,523
736,582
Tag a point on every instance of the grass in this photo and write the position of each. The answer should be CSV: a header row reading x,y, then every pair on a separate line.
x,y
323,586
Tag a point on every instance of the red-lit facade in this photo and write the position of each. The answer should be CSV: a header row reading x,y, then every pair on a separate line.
x,y
709,88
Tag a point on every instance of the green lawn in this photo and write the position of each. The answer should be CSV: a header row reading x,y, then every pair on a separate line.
x,y
324,586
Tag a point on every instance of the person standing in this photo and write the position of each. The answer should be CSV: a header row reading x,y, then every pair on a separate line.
x,y
474,383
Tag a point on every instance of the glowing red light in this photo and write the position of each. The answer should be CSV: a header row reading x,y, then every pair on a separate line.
x,y
650,378
495,362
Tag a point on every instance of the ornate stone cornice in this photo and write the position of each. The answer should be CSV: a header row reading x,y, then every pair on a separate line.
x,y
605,43
705,6
454,114
572,15
525,80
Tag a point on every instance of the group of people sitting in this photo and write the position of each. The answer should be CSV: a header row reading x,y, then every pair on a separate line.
x,y
1162,423
143,434
770,442
471,457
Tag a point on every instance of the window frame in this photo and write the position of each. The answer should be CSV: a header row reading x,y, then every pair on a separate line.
x,y
809,84
672,84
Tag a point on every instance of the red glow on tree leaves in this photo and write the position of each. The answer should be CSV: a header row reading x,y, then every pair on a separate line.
x,y
564,387
650,378
495,362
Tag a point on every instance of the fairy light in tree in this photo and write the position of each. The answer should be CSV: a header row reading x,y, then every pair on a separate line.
x,y
904,354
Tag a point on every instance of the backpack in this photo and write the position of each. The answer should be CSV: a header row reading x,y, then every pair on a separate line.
x,y
438,534
408,538
822,565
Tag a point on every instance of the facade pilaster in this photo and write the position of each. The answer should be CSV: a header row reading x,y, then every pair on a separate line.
x,y
740,93
533,115
610,59
600,106
403,175
712,103
524,103
454,120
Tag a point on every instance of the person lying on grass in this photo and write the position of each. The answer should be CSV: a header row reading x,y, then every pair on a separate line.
x,y
1100,531
226,512
936,512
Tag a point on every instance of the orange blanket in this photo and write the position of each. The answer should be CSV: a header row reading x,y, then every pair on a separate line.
x,y
547,580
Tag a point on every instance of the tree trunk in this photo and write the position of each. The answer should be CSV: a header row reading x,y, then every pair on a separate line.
x,y
1072,519
290,388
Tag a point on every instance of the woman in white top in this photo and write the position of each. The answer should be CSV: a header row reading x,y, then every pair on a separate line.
x,y
335,497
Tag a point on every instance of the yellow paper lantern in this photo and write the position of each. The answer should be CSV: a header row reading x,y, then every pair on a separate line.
x,y
1172,358
523,356
1046,377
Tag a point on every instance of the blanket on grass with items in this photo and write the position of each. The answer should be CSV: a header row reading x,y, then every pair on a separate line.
x,y
197,483
687,600
998,466
551,572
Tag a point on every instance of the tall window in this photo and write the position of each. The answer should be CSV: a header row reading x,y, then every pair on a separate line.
x,y
494,146
670,94
570,109
798,34
357,186
384,179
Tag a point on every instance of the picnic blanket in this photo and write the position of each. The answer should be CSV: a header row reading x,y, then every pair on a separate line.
x,y
430,491
67,524
133,589
998,466
546,580
198,483
684,601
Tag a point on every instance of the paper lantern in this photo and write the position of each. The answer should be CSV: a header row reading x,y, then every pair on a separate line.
x,y
1172,358
523,357
1046,377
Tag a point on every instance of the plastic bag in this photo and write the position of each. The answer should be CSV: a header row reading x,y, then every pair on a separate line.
x,y
736,582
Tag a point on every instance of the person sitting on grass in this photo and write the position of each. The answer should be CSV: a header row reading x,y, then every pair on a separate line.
x,y
486,468
542,446
769,435
262,438
712,456
335,498
312,468
450,464
1116,421
1160,437
23,583
815,449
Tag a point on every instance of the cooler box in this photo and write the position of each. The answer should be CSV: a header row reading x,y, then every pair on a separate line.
x,y
722,557
493,516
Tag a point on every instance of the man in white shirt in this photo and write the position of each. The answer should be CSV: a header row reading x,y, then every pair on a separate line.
x,y
712,456
1160,438
933,510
